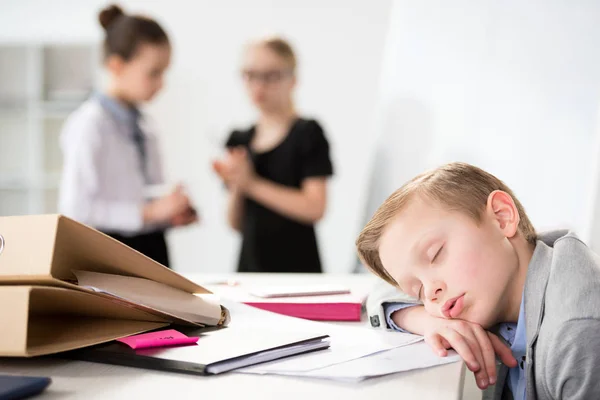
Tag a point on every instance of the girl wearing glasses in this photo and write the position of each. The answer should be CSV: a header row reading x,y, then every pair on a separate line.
x,y
276,170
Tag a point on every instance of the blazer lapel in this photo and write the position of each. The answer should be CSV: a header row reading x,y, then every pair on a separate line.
x,y
535,291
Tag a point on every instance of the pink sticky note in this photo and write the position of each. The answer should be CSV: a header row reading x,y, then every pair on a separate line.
x,y
169,337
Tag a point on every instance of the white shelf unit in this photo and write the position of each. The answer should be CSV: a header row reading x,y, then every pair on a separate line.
x,y
40,85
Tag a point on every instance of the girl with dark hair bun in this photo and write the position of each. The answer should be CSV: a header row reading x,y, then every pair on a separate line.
x,y
111,155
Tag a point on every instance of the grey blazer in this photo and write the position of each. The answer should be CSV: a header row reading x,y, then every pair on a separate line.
x,y
562,313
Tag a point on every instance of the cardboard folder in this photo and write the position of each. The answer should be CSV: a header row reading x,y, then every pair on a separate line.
x,y
42,308
39,320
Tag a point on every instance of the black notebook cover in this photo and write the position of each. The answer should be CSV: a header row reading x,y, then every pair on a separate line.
x,y
217,350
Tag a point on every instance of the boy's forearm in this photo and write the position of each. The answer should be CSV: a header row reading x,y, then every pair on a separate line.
x,y
412,319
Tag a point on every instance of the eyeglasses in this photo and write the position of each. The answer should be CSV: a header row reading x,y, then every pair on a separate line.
x,y
267,77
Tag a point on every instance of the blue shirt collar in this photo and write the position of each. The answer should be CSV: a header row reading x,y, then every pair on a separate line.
x,y
519,345
118,110
515,334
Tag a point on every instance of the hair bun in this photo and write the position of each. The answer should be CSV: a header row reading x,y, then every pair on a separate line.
x,y
109,15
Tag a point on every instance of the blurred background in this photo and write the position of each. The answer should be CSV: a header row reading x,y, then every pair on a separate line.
x,y
399,86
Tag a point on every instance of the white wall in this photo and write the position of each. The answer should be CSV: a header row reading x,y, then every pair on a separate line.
x,y
340,44
511,86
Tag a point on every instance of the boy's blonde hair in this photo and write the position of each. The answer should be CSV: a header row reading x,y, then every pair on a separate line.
x,y
458,186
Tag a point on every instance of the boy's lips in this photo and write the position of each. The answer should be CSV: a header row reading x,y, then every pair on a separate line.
x,y
453,307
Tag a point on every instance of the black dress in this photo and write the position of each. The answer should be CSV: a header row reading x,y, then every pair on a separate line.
x,y
272,242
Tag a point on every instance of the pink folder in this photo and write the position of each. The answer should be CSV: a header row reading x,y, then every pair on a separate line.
x,y
339,307
318,308
169,337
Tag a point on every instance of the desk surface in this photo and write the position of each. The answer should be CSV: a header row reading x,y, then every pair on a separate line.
x,y
77,379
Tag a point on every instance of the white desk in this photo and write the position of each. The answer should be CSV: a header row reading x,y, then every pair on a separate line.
x,y
83,380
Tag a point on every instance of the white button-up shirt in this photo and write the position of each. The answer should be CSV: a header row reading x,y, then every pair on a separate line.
x,y
103,180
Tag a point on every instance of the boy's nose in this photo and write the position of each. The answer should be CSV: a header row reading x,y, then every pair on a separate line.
x,y
435,291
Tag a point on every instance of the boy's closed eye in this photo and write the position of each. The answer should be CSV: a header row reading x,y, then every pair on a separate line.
x,y
419,291
437,254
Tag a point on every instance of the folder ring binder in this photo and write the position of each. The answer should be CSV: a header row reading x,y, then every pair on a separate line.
x,y
1,243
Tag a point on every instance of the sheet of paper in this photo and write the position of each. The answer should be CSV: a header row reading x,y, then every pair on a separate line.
x,y
406,358
298,291
347,343
169,337
243,294
203,309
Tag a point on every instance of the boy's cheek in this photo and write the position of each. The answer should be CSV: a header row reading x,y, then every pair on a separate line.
x,y
476,263
467,268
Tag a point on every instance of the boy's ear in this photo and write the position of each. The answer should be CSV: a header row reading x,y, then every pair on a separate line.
x,y
502,209
115,64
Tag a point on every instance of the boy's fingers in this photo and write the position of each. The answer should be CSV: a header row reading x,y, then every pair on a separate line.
x,y
503,351
436,343
460,344
481,374
487,350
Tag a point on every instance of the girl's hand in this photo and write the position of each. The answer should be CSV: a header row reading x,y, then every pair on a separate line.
x,y
242,174
164,209
187,217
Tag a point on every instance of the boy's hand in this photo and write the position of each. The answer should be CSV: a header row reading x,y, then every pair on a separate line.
x,y
476,346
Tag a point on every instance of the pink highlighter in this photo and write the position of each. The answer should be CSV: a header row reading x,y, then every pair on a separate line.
x,y
169,337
